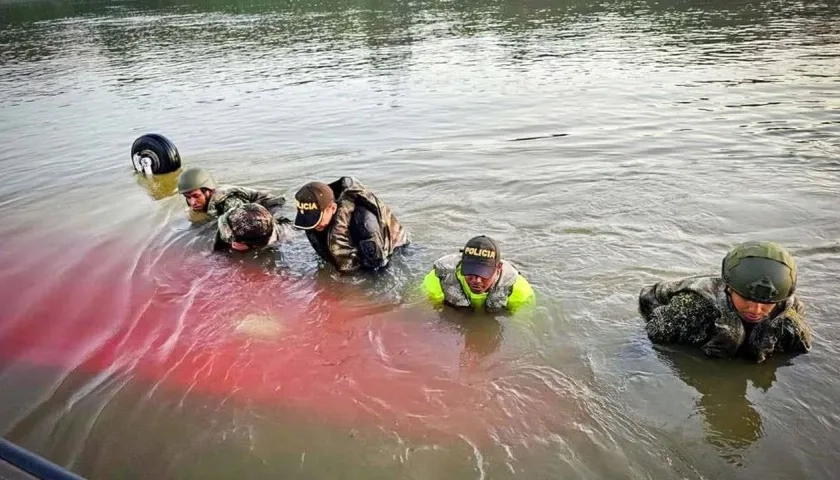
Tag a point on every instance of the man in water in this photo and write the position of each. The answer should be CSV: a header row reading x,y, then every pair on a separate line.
x,y
347,225
478,278
199,188
249,226
750,309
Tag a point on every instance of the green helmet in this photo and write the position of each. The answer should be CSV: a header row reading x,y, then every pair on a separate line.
x,y
760,271
193,178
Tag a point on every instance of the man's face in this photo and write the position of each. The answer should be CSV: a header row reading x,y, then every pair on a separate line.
x,y
750,311
326,217
481,284
197,199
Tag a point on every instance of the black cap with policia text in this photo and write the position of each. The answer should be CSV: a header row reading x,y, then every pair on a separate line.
x,y
480,256
310,202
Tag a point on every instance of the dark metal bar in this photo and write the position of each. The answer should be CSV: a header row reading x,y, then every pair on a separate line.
x,y
17,463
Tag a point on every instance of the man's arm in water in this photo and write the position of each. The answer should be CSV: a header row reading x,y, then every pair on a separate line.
x,y
650,301
796,333
522,295
690,319
660,294
239,196
433,288
270,201
788,333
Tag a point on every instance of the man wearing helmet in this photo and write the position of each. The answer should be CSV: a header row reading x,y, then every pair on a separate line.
x,y
250,226
750,309
203,195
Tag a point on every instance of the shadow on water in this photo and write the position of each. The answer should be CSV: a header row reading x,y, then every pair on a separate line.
x,y
732,422
482,335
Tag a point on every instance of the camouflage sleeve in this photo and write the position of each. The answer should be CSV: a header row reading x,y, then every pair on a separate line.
x,y
648,301
229,203
661,293
271,201
265,199
788,333
725,335
796,334
345,254
657,295
687,319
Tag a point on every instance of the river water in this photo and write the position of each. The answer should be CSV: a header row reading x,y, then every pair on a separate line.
x,y
605,145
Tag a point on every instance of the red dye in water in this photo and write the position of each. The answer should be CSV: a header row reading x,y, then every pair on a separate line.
x,y
207,325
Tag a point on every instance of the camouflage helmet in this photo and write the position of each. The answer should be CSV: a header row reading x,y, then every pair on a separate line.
x,y
760,271
193,178
251,223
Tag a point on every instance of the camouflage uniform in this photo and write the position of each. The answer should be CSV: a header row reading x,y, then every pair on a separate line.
x,y
697,311
227,197
340,249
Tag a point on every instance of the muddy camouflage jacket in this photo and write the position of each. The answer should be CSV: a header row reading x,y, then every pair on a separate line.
x,y
697,311
282,230
368,247
227,197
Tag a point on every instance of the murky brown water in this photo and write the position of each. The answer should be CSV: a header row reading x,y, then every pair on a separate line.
x,y
604,145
